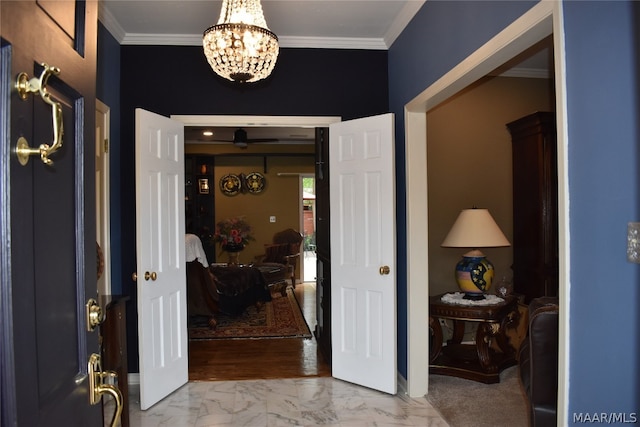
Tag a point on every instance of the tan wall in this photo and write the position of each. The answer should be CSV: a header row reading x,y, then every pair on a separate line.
x,y
280,198
469,164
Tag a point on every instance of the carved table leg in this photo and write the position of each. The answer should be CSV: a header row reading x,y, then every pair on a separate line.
x,y
510,321
484,334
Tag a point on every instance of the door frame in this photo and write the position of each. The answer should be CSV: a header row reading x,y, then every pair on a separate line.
x,y
103,202
7,363
540,21
261,121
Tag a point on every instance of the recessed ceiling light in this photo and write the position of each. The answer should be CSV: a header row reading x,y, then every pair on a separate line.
x,y
207,133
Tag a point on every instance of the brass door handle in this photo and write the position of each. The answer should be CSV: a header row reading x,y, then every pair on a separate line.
x,y
384,270
25,86
98,386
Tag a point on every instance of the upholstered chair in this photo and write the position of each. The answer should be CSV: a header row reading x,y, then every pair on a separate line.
x,y
283,250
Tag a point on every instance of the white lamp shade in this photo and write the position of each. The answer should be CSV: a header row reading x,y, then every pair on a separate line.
x,y
475,228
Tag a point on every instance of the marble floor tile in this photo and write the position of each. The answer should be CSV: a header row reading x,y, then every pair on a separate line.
x,y
304,402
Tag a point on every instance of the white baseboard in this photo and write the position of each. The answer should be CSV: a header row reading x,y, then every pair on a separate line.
x,y
133,378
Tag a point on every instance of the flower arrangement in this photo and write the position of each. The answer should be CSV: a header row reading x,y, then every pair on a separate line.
x,y
234,232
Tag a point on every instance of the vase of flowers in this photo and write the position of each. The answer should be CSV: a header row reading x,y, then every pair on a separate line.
x,y
233,235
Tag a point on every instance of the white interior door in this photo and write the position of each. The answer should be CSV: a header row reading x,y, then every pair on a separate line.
x,y
363,252
161,268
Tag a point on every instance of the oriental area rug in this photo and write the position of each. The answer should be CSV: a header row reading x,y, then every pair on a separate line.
x,y
279,318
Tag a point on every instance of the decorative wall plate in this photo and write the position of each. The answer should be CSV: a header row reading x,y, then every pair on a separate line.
x,y
230,184
254,182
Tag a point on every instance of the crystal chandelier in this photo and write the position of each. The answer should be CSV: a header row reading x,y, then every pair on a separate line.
x,y
240,47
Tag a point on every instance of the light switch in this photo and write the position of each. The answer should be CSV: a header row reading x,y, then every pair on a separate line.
x,y
633,242
272,218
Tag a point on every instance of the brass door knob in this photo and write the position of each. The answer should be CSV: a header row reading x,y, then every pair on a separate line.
x,y
95,316
147,275
384,270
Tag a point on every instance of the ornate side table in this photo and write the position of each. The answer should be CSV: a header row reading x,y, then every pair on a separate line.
x,y
477,361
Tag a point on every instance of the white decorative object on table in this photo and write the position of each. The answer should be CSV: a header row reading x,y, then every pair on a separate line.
x,y
458,298
194,251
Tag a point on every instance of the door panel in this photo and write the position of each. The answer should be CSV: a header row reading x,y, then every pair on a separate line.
x,y
48,217
62,13
363,243
162,302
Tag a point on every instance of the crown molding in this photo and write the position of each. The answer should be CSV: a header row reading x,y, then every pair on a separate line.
x,y
285,41
162,39
402,20
332,43
125,38
110,23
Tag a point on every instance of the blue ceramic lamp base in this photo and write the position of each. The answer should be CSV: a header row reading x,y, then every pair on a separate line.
x,y
474,275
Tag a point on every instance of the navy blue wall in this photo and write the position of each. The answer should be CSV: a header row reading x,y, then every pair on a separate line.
x,y
603,100
178,80
603,69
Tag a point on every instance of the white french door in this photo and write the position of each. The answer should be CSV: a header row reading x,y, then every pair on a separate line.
x,y
363,252
161,268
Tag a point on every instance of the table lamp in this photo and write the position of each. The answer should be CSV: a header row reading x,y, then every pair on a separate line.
x,y
474,228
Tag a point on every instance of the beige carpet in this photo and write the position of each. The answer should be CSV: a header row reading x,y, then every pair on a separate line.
x,y
465,403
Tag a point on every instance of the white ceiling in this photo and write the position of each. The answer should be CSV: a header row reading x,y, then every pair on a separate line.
x,y
302,23
341,24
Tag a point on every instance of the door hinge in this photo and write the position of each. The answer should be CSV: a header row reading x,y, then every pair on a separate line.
x,y
106,145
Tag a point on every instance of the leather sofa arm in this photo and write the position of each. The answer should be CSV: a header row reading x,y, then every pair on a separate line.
x,y
539,361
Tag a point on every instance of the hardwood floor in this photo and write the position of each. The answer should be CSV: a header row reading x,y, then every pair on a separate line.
x,y
252,359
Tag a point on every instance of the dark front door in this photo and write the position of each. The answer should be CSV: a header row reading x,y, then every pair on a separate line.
x,y
47,216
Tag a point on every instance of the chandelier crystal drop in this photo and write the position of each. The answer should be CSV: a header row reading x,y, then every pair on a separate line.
x,y
240,47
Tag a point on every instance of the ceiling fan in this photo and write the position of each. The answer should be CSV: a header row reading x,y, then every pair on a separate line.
x,y
239,136
241,140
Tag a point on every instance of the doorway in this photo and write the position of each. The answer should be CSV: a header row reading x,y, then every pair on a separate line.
x,y
269,121
294,357
541,21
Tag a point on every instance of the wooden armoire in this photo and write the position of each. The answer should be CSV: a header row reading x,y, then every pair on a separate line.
x,y
535,205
